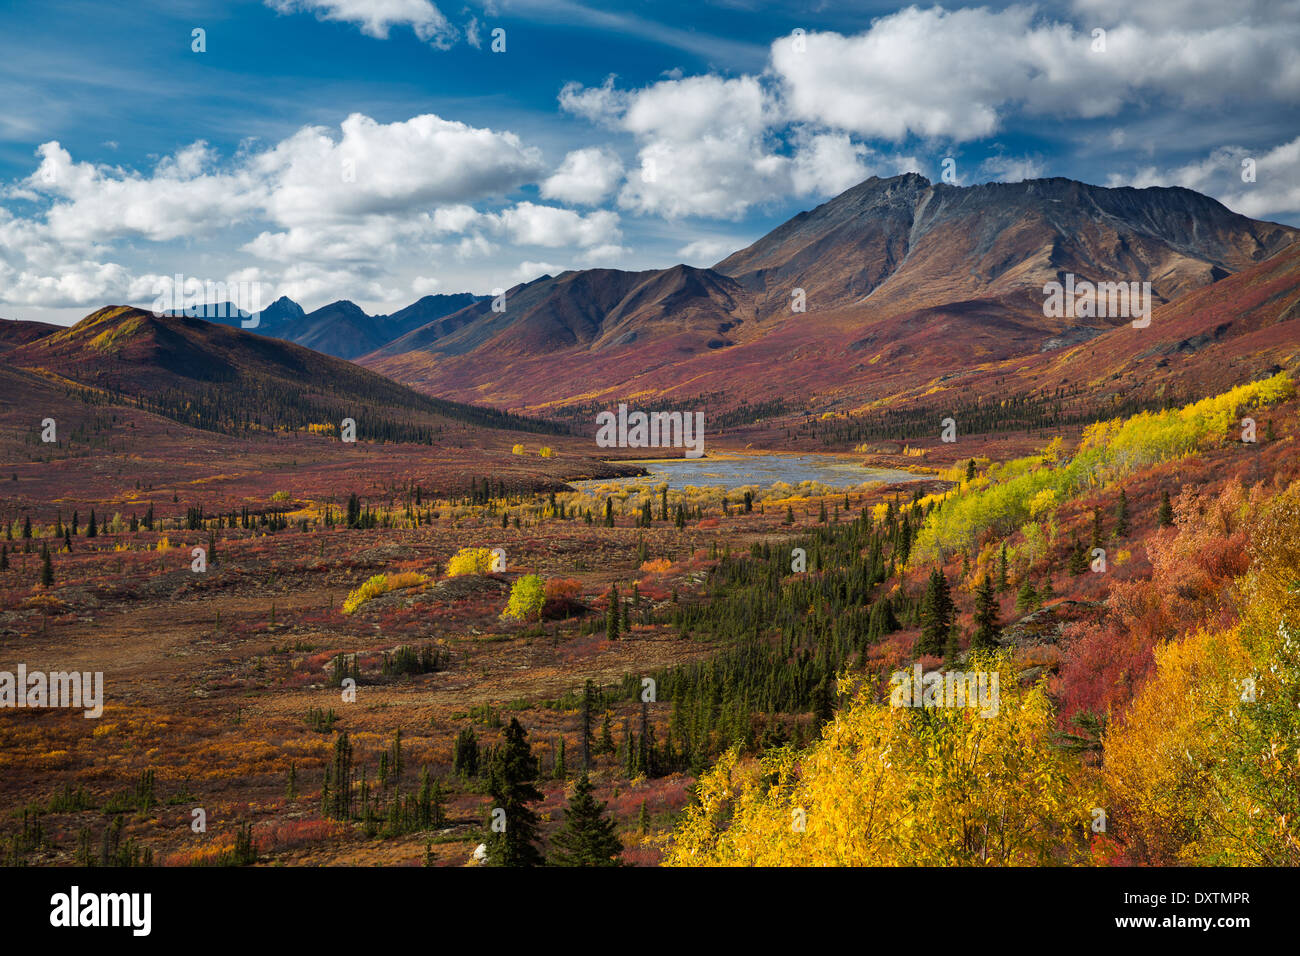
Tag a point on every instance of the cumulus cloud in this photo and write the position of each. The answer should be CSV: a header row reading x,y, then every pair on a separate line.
x,y
332,203
958,74
585,177
532,225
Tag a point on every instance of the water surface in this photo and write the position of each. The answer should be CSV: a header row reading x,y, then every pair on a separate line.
x,y
761,470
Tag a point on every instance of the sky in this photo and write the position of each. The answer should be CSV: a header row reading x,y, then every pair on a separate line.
x,y
382,150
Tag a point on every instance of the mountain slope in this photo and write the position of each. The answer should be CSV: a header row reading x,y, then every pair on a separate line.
x,y
223,378
901,277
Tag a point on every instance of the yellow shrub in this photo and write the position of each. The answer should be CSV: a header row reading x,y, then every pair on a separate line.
x,y
886,787
526,599
517,450
381,584
547,452
371,589
470,561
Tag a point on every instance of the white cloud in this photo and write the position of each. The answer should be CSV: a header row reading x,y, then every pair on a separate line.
x,y
1276,188
376,17
957,74
705,252
387,168
425,285
528,271
532,225
829,163
1013,169
586,176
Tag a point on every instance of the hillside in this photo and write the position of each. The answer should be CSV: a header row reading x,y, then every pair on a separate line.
x,y
893,271
222,378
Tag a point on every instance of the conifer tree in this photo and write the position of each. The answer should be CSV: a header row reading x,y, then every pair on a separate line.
x,y
1003,584
606,735
91,528
936,614
612,615
1078,557
559,772
465,756
1165,515
512,778
586,837
1098,532
1027,596
586,724
986,616
1121,515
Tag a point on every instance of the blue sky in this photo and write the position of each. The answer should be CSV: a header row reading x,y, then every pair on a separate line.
x,y
382,150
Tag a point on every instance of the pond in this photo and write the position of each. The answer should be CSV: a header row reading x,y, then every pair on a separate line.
x,y
763,470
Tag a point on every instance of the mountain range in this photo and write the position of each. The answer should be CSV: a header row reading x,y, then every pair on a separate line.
x,y
896,290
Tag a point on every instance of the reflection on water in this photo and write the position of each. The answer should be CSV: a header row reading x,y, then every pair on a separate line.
x,y
760,470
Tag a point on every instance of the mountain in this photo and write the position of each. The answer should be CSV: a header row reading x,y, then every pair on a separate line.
x,y
896,243
900,277
223,378
342,329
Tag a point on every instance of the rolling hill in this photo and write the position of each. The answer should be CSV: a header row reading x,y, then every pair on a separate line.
x,y
221,378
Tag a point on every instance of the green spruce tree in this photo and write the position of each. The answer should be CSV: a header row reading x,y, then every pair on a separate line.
x,y
586,837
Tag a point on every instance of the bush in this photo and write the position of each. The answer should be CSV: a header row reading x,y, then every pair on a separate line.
x,y
526,599
381,584
470,561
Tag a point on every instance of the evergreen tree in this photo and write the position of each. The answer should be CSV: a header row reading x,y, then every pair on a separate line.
x,y
1098,532
986,616
612,615
1078,557
1121,515
606,735
936,614
512,777
465,756
4,557
1027,596
586,837
970,470
586,724
559,772
91,528
1165,515
1003,584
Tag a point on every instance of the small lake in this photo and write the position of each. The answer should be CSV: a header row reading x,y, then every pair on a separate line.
x,y
761,470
